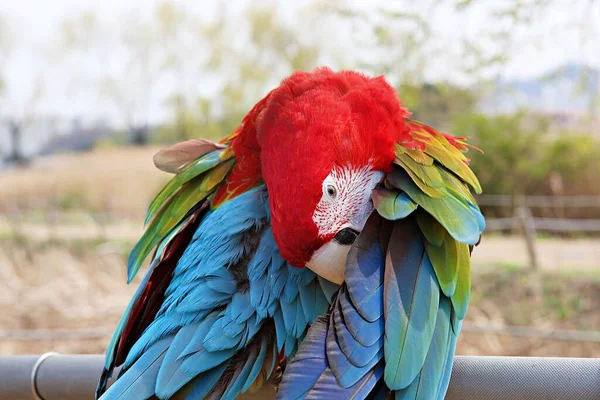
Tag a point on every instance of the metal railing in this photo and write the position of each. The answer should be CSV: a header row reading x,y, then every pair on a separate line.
x,y
74,377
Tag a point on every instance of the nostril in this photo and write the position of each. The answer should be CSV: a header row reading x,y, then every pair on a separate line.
x,y
346,236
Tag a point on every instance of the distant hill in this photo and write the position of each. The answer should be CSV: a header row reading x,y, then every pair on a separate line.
x,y
570,89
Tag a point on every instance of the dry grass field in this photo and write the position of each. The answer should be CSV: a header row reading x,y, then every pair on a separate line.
x,y
71,275
122,180
81,286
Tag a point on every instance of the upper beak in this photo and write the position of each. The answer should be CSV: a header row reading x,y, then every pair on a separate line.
x,y
346,236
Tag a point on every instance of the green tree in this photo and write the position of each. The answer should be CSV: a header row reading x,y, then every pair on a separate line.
x,y
574,159
437,104
514,150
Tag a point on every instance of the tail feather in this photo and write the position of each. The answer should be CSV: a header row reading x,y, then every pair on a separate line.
x,y
407,351
411,298
139,381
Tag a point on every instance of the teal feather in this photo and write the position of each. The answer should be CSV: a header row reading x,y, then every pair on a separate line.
x,y
139,380
170,376
204,383
241,374
392,205
411,298
258,364
426,385
461,219
229,280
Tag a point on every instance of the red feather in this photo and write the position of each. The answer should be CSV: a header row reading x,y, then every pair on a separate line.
x,y
319,119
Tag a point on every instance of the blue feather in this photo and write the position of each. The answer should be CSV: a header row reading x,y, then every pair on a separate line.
x,y
258,364
205,382
240,308
222,281
210,312
449,362
170,376
365,332
365,283
280,331
329,288
358,355
308,364
427,383
241,375
345,372
216,340
196,342
139,380
412,297
308,300
202,361
327,387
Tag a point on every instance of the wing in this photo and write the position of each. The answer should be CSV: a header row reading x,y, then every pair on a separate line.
x,y
218,309
394,323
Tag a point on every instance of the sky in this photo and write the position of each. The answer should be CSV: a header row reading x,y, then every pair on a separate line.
x,y
547,43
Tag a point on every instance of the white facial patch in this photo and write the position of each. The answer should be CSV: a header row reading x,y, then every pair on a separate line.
x,y
346,203
346,200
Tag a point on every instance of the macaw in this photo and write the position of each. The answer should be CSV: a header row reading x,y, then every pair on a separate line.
x,y
327,239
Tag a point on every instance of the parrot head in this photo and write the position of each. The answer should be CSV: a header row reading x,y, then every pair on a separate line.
x,y
326,140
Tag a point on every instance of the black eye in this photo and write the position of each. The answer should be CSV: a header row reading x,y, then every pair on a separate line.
x,y
331,191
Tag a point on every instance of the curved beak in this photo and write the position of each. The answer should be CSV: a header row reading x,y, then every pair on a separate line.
x,y
329,261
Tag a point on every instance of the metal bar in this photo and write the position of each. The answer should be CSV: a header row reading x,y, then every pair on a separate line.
x,y
531,378
74,377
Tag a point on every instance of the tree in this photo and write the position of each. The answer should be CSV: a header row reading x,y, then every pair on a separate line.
x,y
128,84
266,50
438,103
514,150
17,104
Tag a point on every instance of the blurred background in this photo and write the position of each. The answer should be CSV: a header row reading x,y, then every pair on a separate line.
x,y
89,91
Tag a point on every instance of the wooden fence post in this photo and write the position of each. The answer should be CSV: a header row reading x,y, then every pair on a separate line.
x,y
527,226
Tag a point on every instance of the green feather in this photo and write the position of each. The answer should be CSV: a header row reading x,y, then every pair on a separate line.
x,y
429,175
429,190
391,204
431,228
191,171
445,263
455,214
416,155
452,158
169,215
460,298
457,187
